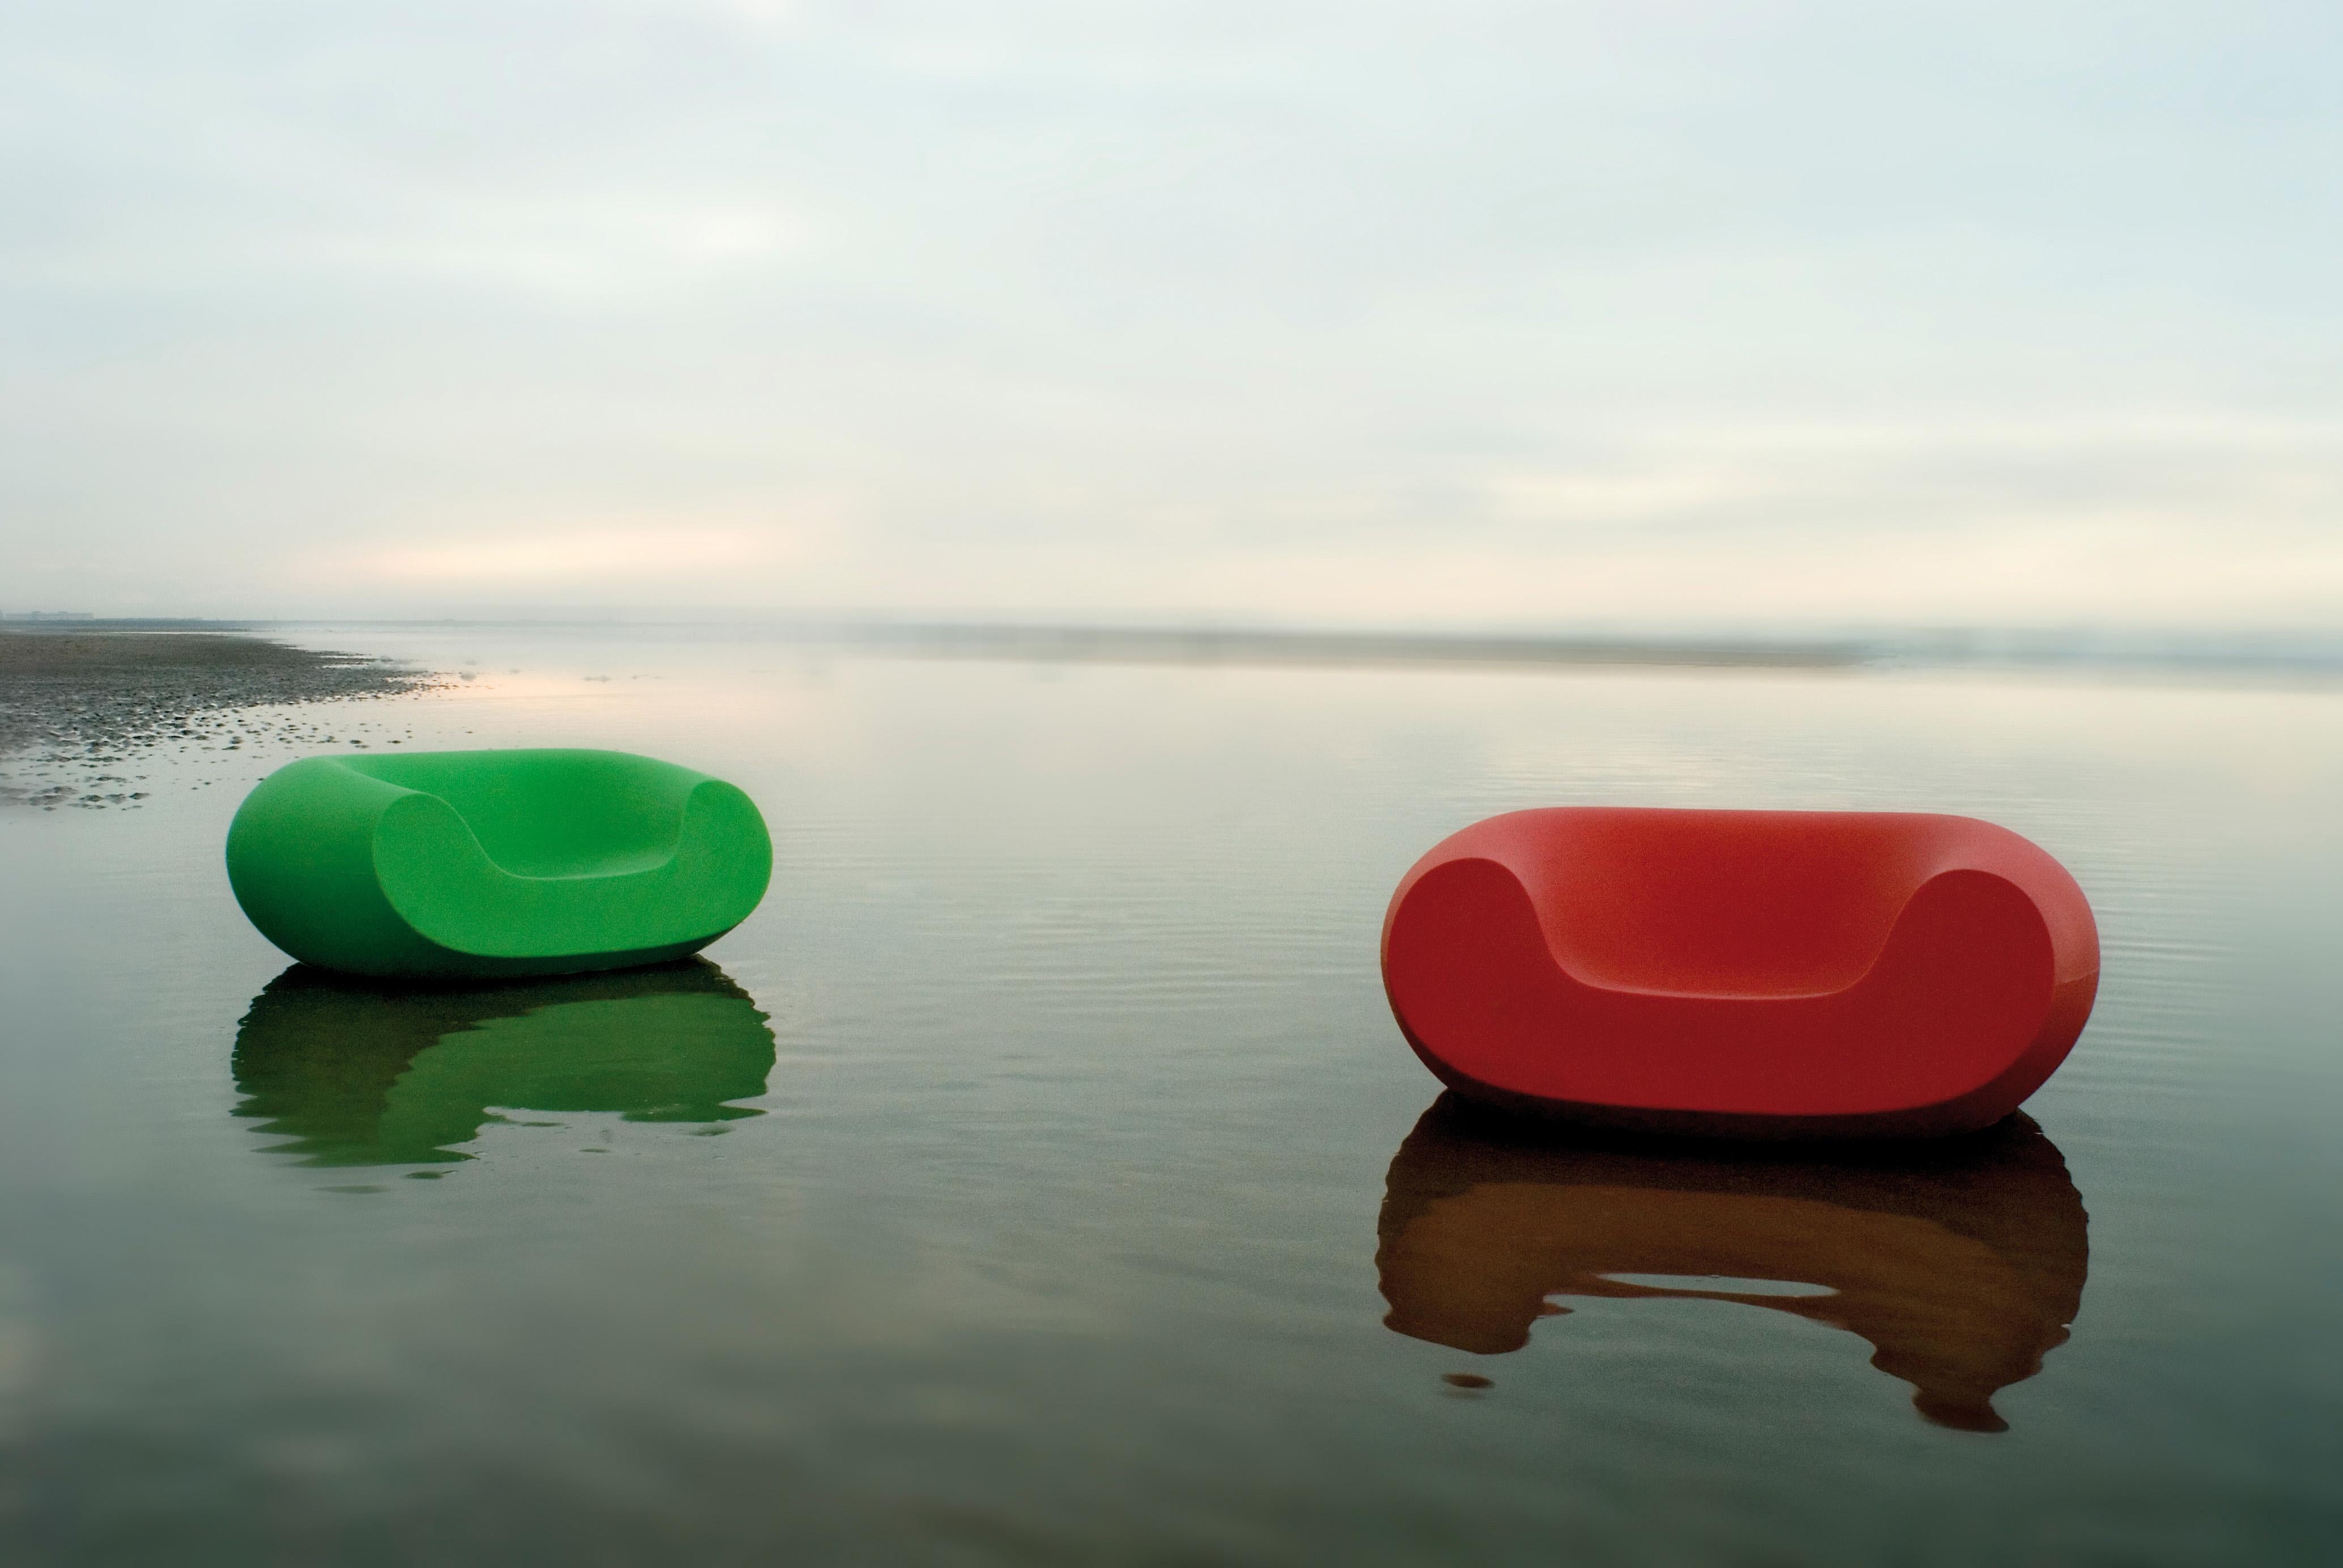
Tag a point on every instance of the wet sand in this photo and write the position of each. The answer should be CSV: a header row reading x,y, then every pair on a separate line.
x,y
83,712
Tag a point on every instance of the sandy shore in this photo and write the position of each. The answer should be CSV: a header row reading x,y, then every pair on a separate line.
x,y
81,709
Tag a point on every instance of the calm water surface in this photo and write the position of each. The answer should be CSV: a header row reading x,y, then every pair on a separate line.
x,y
1039,1177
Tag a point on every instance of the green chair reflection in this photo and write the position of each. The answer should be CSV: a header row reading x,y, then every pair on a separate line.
x,y
353,1074
1961,1263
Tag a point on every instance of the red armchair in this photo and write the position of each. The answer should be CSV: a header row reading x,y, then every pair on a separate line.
x,y
1742,973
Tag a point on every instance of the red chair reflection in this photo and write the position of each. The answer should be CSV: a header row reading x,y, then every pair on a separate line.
x,y
1961,1261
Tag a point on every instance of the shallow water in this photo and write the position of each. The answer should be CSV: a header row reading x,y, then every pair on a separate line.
x,y
1038,1176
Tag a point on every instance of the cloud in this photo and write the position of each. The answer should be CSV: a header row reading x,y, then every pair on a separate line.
x,y
1462,312
576,249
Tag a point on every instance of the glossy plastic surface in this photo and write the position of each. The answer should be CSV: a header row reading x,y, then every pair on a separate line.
x,y
1745,973
478,864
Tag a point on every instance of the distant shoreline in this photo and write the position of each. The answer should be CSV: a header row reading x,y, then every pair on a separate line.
x,y
1077,642
1180,644
2301,654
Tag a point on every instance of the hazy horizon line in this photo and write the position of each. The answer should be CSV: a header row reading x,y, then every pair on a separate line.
x,y
1098,640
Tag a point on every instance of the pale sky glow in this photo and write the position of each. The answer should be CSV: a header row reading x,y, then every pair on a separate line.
x,y
656,549
1637,314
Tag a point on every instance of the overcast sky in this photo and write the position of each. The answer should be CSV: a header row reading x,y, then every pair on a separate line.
x,y
1649,312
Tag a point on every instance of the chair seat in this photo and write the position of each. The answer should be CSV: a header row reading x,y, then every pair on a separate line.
x,y
1747,973
454,864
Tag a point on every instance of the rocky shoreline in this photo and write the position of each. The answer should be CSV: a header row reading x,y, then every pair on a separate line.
x,y
81,708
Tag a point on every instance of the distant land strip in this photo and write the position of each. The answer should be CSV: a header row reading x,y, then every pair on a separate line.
x,y
1076,643
1214,644
2302,657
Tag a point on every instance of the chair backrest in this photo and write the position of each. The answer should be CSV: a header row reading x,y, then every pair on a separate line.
x,y
1726,903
